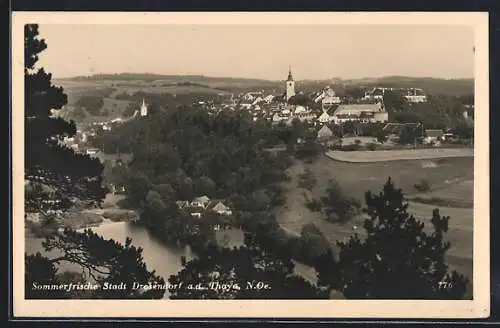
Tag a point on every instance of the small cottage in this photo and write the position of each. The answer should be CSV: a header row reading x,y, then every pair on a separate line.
x,y
324,133
432,136
221,209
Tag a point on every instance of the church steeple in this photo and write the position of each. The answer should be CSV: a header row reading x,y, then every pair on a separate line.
x,y
290,84
290,77
144,108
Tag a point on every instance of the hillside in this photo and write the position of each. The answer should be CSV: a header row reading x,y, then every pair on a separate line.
x,y
116,90
436,86
449,87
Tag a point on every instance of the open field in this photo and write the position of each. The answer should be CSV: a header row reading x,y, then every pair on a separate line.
x,y
110,89
455,87
457,194
114,108
74,89
398,155
357,178
448,176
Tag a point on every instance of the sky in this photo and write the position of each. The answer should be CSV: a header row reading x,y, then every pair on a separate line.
x,y
259,51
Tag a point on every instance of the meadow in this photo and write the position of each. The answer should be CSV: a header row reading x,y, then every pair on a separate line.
x,y
367,156
110,89
448,177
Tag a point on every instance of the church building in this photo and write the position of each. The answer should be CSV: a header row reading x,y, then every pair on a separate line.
x,y
290,85
144,108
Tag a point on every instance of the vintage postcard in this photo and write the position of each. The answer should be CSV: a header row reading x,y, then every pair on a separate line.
x,y
270,165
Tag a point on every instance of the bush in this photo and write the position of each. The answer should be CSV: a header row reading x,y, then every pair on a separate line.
x,y
371,146
117,216
307,180
332,217
124,203
423,186
352,147
313,205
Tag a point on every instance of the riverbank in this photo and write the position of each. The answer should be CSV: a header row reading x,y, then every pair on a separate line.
x,y
79,218
368,156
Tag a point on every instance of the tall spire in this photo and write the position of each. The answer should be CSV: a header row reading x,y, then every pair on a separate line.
x,y
290,77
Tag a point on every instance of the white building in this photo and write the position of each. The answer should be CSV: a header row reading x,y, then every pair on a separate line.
x,y
365,113
290,85
415,95
144,108
325,118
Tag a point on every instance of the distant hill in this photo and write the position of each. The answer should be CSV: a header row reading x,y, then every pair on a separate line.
x,y
111,86
450,87
149,77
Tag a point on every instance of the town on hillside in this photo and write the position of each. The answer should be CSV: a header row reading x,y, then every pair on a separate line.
x,y
323,111
148,186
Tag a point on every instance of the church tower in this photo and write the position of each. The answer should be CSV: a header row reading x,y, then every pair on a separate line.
x,y
290,85
144,108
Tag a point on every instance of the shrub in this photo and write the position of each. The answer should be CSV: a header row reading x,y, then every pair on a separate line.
x,y
422,186
351,147
307,180
313,205
371,146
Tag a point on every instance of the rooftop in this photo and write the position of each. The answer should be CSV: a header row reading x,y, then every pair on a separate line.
x,y
357,109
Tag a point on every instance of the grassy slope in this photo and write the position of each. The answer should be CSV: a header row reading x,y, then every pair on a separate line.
x,y
355,179
151,83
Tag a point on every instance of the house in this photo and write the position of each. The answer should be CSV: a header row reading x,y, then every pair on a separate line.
x,y
92,151
330,100
325,117
202,202
397,128
257,100
376,93
116,189
432,136
219,208
182,204
269,99
450,137
196,214
324,133
299,110
364,113
415,95
393,130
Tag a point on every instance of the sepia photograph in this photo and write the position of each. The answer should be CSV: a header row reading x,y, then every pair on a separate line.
x,y
286,164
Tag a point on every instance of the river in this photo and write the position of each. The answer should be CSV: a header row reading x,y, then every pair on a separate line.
x,y
164,259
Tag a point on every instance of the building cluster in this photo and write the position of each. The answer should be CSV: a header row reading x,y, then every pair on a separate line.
x,y
202,205
326,106
320,108
413,95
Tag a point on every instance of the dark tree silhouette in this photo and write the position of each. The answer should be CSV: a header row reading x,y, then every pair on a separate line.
x,y
398,259
248,272
102,262
57,177
65,175
336,205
